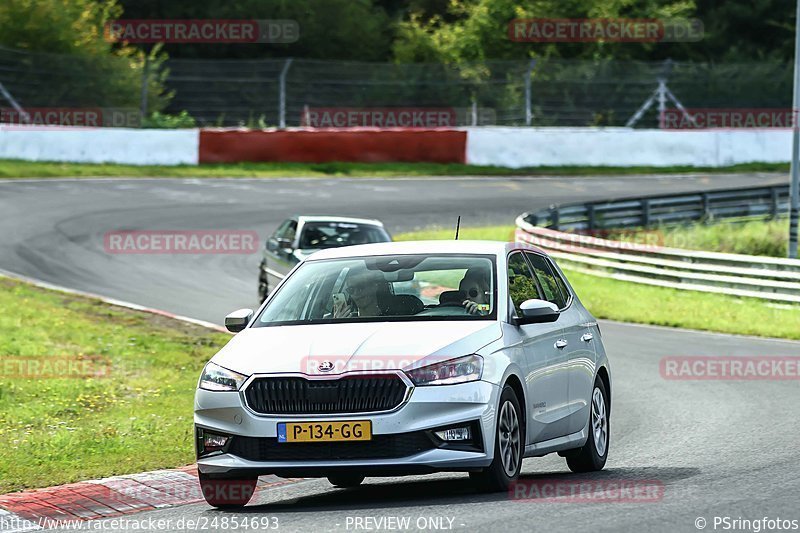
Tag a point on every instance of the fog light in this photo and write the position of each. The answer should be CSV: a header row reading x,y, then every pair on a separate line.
x,y
213,443
455,434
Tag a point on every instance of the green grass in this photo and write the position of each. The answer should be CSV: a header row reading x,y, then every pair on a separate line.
x,y
754,237
63,430
645,304
25,169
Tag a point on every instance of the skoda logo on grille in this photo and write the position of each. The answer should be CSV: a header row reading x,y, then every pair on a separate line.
x,y
325,366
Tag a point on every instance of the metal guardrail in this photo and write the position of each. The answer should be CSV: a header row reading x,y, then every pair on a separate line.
x,y
770,278
649,211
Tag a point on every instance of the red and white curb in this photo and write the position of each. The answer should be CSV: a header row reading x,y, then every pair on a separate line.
x,y
105,498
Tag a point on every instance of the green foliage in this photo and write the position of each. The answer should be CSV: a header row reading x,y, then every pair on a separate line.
x,y
755,237
476,30
162,120
329,29
73,27
64,59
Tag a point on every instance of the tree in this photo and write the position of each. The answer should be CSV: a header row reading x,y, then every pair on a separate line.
x,y
476,30
62,59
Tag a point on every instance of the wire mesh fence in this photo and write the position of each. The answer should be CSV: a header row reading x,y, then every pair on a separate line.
x,y
295,92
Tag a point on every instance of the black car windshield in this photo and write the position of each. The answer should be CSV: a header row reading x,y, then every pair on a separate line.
x,y
385,289
317,235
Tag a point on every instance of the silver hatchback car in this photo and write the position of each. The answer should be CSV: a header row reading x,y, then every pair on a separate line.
x,y
405,358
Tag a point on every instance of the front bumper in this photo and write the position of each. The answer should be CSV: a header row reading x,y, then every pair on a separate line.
x,y
427,408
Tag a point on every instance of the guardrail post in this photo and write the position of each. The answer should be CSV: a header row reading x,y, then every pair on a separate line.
x,y
645,213
776,202
554,217
590,221
706,207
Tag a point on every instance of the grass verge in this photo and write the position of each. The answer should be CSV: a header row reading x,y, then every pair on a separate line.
x,y
645,304
10,168
754,237
59,430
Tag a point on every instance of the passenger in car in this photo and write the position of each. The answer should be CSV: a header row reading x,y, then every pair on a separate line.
x,y
475,286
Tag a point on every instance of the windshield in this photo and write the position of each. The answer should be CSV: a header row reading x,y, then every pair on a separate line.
x,y
334,234
385,289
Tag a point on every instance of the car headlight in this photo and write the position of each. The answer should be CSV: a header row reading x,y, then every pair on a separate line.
x,y
459,370
216,378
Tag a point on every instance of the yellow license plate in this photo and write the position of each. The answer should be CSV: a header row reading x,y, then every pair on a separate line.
x,y
357,430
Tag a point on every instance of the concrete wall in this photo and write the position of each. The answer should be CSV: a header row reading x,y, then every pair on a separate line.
x,y
500,146
100,145
522,147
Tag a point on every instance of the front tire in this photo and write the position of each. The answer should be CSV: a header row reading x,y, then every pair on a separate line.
x,y
592,456
345,481
227,493
508,446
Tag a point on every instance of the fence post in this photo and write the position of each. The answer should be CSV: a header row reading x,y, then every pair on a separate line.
x,y
145,81
474,111
528,81
282,95
645,213
590,219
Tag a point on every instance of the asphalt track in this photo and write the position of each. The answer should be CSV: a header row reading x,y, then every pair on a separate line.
x,y
718,448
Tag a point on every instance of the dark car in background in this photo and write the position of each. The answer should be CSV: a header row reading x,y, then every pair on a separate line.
x,y
298,237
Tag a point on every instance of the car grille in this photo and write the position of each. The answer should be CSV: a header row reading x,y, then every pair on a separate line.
x,y
350,394
380,447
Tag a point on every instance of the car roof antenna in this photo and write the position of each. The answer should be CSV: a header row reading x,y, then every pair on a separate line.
x,y
458,225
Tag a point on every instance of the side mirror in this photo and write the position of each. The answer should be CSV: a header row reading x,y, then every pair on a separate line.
x,y
238,320
284,244
536,311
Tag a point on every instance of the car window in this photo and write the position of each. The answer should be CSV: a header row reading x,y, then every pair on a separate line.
x,y
291,231
334,234
521,285
385,288
547,281
286,230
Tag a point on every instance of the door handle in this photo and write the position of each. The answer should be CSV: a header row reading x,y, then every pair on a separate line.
x,y
586,337
561,343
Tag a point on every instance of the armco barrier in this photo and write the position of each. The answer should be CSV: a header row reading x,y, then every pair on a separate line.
x,y
368,145
665,209
770,278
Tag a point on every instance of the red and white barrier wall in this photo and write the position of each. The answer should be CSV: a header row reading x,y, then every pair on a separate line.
x,y
100,145
496,146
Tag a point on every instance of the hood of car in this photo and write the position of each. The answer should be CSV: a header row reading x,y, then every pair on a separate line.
x,y
369,346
